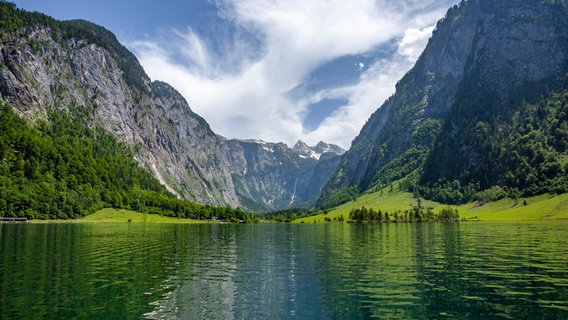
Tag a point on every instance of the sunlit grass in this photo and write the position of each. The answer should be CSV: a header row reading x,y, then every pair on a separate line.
x,y
386,201
536,208
115,215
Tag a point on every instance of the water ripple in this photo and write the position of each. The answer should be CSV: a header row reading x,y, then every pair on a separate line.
x,y
398,271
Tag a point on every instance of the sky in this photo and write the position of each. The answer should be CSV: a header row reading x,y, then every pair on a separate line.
x,y
277,71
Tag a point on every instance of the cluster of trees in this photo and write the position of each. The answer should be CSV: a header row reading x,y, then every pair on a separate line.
x,y
415,214
63,169
452,192
332,198
289,215
536,158
525,154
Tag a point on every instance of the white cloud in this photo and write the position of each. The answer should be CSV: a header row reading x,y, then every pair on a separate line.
x,y
375,85
194,49
413,42
242,89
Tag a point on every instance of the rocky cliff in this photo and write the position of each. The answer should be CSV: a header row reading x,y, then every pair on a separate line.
x,y
45,69
485,59
315,152
81,68
271,175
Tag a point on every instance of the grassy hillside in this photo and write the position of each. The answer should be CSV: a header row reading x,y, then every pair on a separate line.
x,y
539,207
114,215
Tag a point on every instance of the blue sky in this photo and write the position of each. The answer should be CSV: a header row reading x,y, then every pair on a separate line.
x,y
271,70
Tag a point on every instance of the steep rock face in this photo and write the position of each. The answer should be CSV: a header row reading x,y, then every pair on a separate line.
x,y
491,49
80,68
519,55
271,176
40,73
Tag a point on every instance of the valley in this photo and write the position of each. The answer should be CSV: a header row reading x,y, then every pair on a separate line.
x,y
119,201
454,133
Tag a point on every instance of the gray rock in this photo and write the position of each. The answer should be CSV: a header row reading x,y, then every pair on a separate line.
x,y
498,47
90,80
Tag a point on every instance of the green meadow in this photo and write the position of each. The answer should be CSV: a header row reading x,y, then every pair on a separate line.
x,y
116,215
534,208
543,207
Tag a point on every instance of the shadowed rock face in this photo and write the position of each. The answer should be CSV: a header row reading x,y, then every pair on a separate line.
x,y
498,51
90,75
271,175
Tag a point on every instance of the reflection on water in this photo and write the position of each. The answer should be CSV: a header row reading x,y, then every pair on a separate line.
x,y
395,271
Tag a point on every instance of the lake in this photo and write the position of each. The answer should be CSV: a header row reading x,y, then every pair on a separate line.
x,y
473,270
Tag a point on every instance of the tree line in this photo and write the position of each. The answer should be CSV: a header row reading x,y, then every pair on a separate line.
x,y
61,169
415,214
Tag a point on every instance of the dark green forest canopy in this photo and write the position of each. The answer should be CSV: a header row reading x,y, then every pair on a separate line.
x,y
520,154
62,169
524,154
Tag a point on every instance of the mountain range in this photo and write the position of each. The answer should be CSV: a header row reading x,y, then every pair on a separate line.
x,y
483,114
482,109
81,69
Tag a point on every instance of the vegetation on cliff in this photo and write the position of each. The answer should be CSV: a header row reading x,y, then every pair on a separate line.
x,y
62,169
482,115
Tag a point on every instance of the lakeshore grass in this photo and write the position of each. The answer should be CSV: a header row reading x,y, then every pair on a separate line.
x,y
121,215
543,207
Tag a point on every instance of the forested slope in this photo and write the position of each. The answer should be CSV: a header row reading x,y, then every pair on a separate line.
x,y
482,114
81,69
62,169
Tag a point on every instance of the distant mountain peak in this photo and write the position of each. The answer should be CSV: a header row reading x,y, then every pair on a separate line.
x,y
305,151
323,147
